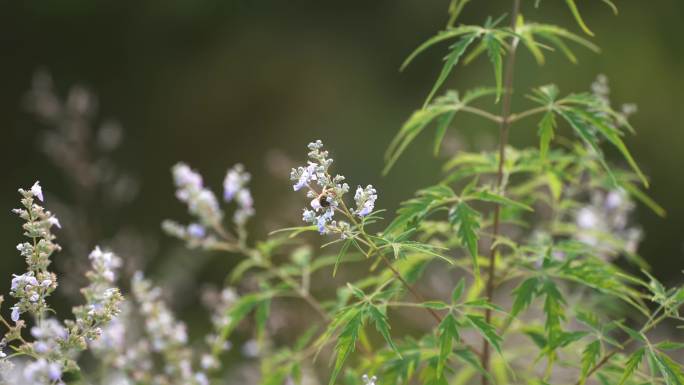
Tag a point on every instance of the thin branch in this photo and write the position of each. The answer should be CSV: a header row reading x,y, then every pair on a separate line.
x,y
503,141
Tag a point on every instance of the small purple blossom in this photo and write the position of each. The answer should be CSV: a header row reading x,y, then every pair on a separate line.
x,y
196,230
365,200
234,182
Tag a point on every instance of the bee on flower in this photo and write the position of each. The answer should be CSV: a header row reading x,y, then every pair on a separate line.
x,y
327,192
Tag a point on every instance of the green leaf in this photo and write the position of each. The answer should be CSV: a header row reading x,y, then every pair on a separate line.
x,y
575,12
382,326
489,196
426,200
340,255
486,330
443,123
524,294
546,128
236,313
670,345
261,315
346,342
553,308
467,220
643,198
494,51
614,138
448,331
458,291
450,61
632,364
444,35
669,370
590,355
438,305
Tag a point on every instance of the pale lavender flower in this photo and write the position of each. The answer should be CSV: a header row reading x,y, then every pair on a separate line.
x,y
234,182
369,380
365,200
196,230
37,191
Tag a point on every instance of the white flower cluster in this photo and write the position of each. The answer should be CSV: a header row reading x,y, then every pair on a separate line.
x,y
608,216
327,192
365,200
32,287
201,201
56,345
235,188
220,303
168,336
203,205
103,299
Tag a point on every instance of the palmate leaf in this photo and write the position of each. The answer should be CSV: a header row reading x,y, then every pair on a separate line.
x,y
450,61
441,112
440,37
420,119
426,200
467,220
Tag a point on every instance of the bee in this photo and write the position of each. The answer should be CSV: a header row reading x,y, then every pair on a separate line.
x,y
324,198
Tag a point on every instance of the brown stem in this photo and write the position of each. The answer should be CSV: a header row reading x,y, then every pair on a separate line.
x,y
503,141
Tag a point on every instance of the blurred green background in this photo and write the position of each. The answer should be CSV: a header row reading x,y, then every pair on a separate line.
x,y
215,82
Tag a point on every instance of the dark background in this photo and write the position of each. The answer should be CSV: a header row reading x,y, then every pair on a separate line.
x,y
215,82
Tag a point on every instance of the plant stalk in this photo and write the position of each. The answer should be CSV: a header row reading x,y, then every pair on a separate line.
x,y
503,141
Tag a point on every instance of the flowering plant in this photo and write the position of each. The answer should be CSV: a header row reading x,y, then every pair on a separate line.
x,y
520,266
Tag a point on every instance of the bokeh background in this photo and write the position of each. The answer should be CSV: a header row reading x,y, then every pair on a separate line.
x,y
216,82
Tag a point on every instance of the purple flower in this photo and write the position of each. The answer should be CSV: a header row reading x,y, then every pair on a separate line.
x,y
196,231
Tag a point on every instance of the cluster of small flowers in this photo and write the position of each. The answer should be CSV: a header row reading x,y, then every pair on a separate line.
x,y
325,202
201,201
608,213
219,303
194,234
202,204
235,188
55,347
103,299
168,336
32,287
